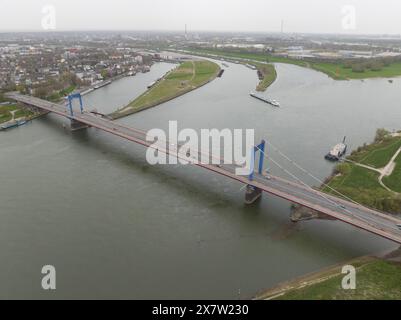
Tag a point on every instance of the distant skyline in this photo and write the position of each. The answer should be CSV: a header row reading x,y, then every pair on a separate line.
x,y
301,16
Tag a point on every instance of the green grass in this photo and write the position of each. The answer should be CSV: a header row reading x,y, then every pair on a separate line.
x,y
356,177
268,70
378,154
186,77
204,71
362,185
23,113
394,180
5,117
334,70
58,95
339,71
5,112
262,57
378,280
269,75
67,91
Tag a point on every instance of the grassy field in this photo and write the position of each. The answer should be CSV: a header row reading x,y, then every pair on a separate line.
x,y
269,75
378,154
394,180
262,57
340,72
377,279
186,77
336,71
361,184
5,112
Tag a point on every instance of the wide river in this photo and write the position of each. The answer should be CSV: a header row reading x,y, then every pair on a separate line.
x,y
115,227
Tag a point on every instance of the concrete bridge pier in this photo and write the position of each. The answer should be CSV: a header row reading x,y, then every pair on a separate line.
x,y
252,194
76,125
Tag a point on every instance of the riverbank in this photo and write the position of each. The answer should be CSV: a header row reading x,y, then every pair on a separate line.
x,y
335,70
11,112
188,76
362,175
370,175
376,278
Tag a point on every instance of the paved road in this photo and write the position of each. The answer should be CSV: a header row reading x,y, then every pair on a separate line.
x,y
370,220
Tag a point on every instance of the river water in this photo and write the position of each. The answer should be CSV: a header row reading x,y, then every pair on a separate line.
x,y
115,227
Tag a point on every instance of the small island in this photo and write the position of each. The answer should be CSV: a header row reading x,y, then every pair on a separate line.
x,y
267,75
188,76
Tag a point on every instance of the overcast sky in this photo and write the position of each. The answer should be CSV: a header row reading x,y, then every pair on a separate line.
x,y
315,16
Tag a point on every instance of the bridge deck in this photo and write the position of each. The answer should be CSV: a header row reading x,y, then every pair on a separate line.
x,y
365,218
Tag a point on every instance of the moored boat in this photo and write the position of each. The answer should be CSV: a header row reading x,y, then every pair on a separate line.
x,y
337,152
12,124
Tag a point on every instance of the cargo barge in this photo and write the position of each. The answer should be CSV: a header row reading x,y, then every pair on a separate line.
x,y
12,124
101,85
337,152
274,103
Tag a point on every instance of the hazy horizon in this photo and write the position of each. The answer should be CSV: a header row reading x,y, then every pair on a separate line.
x,y
372,17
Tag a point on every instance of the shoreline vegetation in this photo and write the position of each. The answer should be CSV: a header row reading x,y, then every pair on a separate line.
x,y
267,76
370,175
12,111
186,77
359,176
376,278
337,70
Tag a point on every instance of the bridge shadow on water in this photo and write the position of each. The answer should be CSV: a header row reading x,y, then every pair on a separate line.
x,y
225,194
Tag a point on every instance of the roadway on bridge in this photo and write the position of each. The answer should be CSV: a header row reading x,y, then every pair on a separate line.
x,y
362,217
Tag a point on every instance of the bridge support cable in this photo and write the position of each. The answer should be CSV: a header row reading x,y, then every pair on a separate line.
x,y
342,208
175,147
313,176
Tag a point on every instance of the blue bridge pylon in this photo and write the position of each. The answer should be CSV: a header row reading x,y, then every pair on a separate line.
x,y
71,97
255,149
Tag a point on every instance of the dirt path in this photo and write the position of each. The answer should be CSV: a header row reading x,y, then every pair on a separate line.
x,y
363,166
384,172
13,114
193,72
388,170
